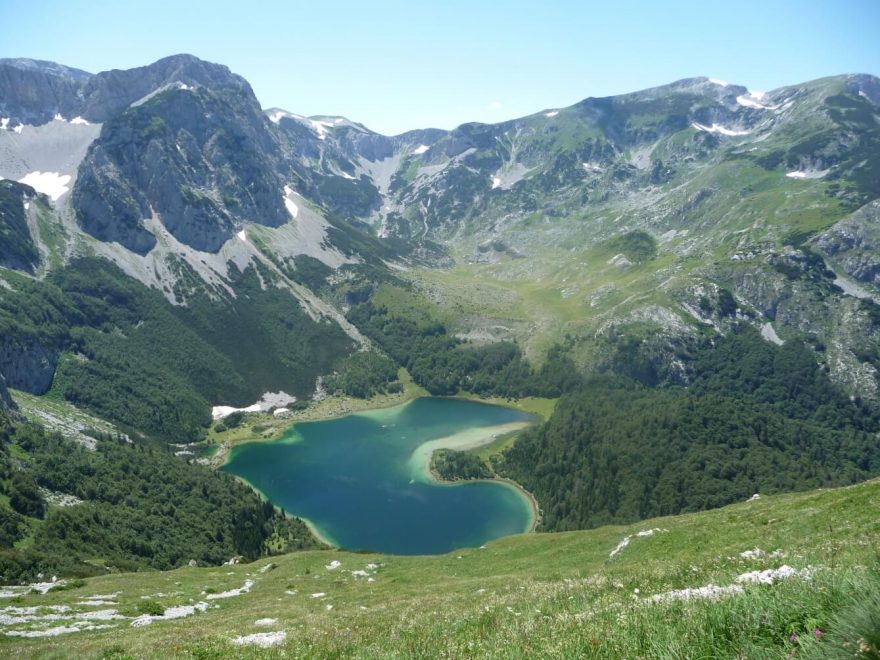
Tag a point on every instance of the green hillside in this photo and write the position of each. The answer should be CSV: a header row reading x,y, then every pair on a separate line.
x,y
575,594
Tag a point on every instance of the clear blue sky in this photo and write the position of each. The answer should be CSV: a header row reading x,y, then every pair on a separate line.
x,y
395,66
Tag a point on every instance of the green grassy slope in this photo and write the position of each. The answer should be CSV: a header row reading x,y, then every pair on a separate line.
x,y
539,595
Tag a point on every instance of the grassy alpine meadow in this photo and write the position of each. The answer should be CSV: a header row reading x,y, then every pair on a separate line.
x,y
794,575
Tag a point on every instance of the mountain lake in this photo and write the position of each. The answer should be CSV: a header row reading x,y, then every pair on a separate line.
x,y
362,481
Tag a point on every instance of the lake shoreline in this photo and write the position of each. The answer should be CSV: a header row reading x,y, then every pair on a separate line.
x,y
320,536
329,410
475,443
421,459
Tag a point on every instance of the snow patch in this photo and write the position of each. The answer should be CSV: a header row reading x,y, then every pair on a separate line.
x,y
591,167
422,148
52,184
496,182
753,99
717,128
263,640
278,115
333,565
320,127
4,123
79,120
242,235
717,81
58,117
292,208
806,174
552,113
218,412
268,400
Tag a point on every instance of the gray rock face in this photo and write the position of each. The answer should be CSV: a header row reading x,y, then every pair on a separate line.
x,y
29,367
854,243
6,401
17,249
865,85
107,93
203,159
32,92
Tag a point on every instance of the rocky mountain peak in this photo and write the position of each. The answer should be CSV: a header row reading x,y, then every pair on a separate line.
x,y
109,92
33,91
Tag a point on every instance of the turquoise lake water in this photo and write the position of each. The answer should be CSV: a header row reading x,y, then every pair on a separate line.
x,y
361,482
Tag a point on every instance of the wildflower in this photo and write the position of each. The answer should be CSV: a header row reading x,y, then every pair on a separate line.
x,y
818,633
792,638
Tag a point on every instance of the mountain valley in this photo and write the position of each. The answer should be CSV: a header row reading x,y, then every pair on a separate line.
x,y
682,283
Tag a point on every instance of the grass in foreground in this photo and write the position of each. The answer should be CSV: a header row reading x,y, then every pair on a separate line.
x,y
538,595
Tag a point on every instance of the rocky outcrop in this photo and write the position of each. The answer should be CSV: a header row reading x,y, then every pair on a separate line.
x,y
17,248
203,160
854,244
108,93
29,366
6,401
33,92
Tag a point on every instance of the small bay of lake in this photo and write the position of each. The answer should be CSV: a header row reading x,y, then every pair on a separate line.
x,y
362,480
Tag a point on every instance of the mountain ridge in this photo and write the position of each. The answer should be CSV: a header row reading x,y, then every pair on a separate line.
x,y
684,278
159,187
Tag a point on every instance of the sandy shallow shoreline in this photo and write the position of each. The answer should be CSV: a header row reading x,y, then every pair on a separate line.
x,y
420,461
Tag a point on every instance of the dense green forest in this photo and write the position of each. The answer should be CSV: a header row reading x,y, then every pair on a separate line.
x,y
635,442
452,465
756,418
363,375
17,249
445,365
153,367
142,508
